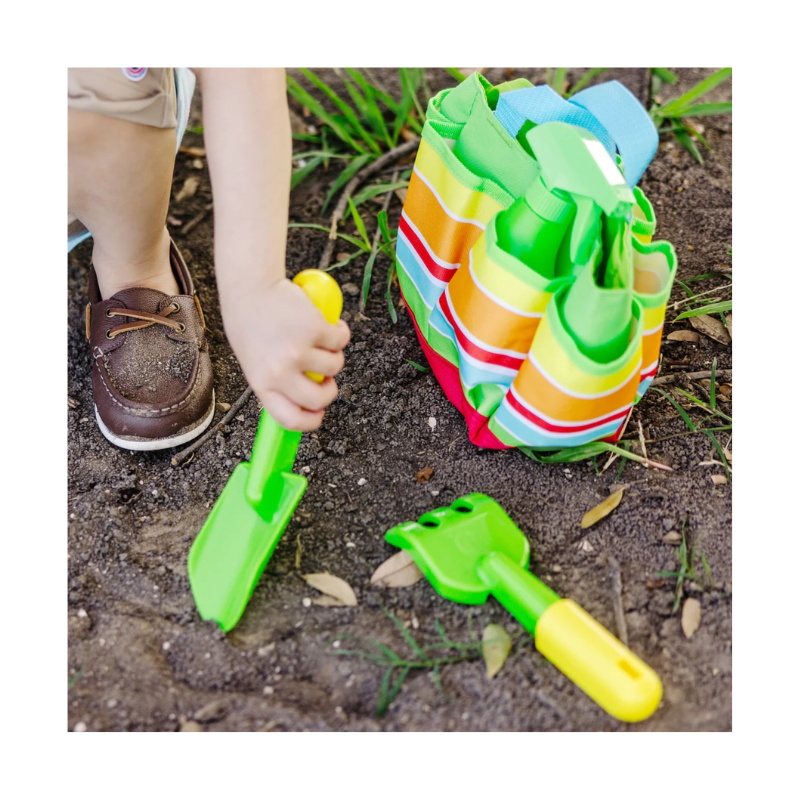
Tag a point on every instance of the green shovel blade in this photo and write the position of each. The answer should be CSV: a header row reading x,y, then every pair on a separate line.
x,y
237,540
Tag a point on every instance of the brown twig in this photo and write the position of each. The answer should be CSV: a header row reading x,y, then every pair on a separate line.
x,y
198,443
355,182
376,238
722,374
616,588
195,221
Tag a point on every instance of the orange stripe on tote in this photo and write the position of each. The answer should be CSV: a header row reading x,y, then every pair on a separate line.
x,y
449,240
486,320
651,346
539,393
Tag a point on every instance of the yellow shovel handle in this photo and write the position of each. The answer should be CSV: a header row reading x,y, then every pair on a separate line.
x,y
325,294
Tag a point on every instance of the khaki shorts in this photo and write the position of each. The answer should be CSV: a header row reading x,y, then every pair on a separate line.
x,y
157,96
137,94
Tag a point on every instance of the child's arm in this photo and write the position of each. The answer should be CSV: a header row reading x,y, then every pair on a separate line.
x,y
276,332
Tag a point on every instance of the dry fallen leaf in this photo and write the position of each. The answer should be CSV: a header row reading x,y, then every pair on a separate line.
x,y
424,474
602,509
197,152
652,583
495,646
690,617
684,336
717,479
729,320
190,186
339,591
397,571
726,389
72,403
400,194
711,327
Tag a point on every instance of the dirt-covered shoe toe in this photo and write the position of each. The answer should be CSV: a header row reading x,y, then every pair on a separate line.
x,y
151,374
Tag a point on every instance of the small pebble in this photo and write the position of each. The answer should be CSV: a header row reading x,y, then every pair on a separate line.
x,y
555,568
112,703
673,537
80,727
336,644
165,646
362,481
307,602
82,613
350,288
431,422
690,247
350,544
269,690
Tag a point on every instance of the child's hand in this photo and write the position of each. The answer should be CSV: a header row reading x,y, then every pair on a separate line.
x,y
278,335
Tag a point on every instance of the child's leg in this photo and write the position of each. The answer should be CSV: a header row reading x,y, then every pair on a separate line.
x,y
151,377
120,174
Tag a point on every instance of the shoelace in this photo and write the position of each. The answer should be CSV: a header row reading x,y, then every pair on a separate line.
x,y
146,319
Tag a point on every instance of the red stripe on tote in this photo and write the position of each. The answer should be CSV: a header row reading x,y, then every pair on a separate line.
x,y
438,271
449,379
471,348
549,426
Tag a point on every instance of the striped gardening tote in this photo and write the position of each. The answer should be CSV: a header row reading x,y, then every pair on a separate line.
x,y
526,263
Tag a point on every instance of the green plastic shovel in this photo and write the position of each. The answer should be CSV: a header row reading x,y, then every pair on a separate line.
x,y
237,540
473,549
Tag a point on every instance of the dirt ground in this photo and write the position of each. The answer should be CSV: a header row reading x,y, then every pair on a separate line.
x,y
140,657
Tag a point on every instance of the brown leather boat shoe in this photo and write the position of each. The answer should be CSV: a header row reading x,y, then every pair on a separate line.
x,y
151,375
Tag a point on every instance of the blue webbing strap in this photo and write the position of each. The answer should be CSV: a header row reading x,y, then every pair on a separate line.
x,y
608,111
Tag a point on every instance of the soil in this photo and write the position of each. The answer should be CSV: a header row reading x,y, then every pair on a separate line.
x,y
140,657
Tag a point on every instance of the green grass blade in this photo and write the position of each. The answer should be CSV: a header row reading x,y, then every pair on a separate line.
x,y
347,173
707,110
345,261
322,153
418,367
454,73
383,224
665,75
376,190
371,89
559,79
306,137
585,80
414,80
303,172
686,418
683,137
712,308
344,107
712,391
367,279
302,96
387,694
389,301
359,222
339,235
720,452
675,107
368,108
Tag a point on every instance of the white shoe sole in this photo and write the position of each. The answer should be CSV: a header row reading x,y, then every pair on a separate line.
x,y
157,444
